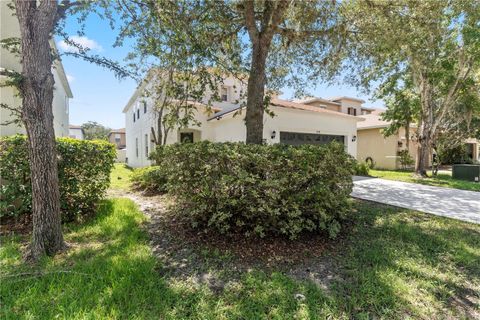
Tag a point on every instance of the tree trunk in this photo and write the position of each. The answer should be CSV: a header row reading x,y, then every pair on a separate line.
x,y
423,151
36,27
256,92
407,136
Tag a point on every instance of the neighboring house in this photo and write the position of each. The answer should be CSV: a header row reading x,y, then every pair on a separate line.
x,y
9,28
117,137
294,123
384,150
76,132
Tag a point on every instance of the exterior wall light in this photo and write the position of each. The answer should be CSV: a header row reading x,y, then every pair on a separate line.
x,y
354,138
273,134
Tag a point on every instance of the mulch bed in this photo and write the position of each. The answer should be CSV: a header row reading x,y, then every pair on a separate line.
x,y
16,225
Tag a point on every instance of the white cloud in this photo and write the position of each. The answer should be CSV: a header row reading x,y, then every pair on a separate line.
x,y
70,78
83,42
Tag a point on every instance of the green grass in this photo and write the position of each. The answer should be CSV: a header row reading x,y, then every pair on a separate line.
x,y
120,177
443,179
394,263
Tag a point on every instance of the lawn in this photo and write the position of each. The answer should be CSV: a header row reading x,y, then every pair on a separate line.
x,y
443,179
120,177
389,263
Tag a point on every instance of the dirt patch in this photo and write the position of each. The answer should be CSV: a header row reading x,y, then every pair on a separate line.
x,y
216,259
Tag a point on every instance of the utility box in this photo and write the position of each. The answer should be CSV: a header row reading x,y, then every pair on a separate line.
x,y
469,172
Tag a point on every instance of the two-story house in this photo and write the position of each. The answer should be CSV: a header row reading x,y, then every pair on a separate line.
x,y
293,123
9,28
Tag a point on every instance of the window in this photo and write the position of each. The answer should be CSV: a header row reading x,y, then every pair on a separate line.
x,y
352,111
146,145
322,106
186,137
117,138
224,94
136,146
144,107
133,116
138,114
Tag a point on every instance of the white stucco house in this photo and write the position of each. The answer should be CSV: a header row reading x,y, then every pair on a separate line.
x,y
9,28
293,122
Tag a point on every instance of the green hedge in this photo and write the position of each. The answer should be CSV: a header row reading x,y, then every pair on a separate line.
x,y
84,174
259,189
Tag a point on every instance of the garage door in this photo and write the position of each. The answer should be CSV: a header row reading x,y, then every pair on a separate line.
x,y
298,138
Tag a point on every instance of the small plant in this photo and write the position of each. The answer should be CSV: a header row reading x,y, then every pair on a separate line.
x,y
405,159
362,169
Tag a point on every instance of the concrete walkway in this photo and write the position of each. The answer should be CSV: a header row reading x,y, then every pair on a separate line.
x,y
452,203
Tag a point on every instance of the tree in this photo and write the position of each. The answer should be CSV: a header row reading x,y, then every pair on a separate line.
x,y
403,106
95,131
274,42
35,84
38,21
434,43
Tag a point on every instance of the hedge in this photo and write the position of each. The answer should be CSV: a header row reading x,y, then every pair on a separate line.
x,y
149,179
259,189
84,175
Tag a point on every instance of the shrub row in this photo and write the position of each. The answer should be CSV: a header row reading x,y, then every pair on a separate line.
x,y
84,175
150,179
259,189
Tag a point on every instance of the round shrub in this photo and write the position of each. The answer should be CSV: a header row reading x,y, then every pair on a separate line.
x,y
259,189
83,170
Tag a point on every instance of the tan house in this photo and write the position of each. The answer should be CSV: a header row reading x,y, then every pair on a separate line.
x,y
117,137
383,151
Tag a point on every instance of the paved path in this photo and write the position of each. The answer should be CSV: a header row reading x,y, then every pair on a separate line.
x,y
452,203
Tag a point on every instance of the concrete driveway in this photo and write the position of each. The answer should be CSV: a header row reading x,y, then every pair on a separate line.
x,y
452,203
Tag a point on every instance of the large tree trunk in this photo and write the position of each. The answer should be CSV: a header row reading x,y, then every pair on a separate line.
x,y
36,27
255,93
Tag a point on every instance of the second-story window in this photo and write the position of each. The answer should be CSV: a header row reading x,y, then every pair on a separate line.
x,y
144,107
146,145
133,116
352,111
224,94
138,114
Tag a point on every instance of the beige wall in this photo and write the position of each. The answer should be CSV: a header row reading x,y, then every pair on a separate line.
x,y
329,106
122,143
383,151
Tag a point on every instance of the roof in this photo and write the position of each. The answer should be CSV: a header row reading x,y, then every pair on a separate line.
x,y
121,130
372,121
314,99
345,98
291,105
74,127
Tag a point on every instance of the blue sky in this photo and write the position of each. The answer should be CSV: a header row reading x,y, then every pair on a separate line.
x,y
100,96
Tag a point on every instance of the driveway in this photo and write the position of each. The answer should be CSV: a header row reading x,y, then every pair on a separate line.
x,y
452,203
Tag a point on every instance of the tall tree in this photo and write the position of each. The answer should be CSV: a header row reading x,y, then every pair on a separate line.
x,y
95,131
38,21
435,42
276,43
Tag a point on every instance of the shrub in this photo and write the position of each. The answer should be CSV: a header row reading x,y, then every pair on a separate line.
x,y
150,179
405,159
83,169
261,189
362,168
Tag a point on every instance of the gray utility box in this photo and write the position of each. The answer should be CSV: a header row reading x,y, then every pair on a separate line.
x,y
469,172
